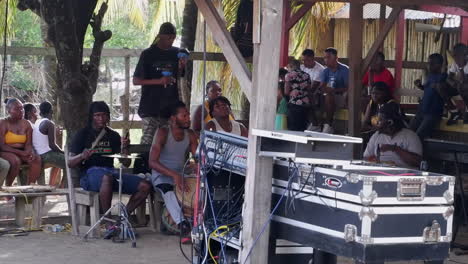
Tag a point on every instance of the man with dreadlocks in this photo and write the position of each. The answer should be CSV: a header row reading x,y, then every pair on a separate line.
x,y
97,173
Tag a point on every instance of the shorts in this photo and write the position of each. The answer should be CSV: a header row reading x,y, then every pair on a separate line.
x,y
56,159
341,100
150,125
91,180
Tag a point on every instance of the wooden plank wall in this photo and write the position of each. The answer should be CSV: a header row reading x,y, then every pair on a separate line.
x,y
418,46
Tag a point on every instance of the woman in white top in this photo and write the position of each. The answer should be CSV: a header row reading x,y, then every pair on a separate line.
x,y
220,109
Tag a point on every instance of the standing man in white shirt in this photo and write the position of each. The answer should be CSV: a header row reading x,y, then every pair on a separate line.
x,y
314,69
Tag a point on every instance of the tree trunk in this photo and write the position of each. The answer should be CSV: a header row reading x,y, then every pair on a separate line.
x,y
67,22
189,30
50,73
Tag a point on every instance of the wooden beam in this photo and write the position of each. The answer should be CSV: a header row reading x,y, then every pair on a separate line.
x,y
382,17
224,40
464,30
285,34
452,3
399,43
42,51
125,99
381,38
211,56
292,20
443,10
355,77
260,169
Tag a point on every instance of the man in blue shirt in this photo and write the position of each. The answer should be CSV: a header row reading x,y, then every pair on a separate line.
x,y
431,107
334,85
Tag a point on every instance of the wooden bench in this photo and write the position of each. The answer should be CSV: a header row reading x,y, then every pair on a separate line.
x,y
37,202
84,200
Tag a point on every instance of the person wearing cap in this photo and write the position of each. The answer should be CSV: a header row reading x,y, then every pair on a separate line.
x,y
393,143
88,151
156,71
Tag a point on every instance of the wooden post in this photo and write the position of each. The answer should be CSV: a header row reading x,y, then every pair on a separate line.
x,y
355,61
285,34
378,42
125,103
224,39
400,42
109,79
262,116
71,195
464,30
383,15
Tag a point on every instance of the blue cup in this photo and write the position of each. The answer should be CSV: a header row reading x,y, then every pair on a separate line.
x,y
166,73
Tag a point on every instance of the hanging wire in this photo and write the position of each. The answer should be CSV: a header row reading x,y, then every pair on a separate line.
x,y
4,50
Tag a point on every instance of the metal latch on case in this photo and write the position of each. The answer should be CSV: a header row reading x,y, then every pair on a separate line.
x,y
411,189
432,233
350,233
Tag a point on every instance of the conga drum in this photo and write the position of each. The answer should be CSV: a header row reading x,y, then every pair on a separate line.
x,y
187,199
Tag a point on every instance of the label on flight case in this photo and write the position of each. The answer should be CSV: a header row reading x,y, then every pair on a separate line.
x,y
333,183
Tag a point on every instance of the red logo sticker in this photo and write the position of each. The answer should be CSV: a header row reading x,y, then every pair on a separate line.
x,y
333,183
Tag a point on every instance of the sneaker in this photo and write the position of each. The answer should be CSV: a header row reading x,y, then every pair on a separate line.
x,y
185,231
313,128
111,231
453,118
327,129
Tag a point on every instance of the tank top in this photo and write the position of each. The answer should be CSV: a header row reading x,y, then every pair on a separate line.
x,y
172,156
39,140
236,129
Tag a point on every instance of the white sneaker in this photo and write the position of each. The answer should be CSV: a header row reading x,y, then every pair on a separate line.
x,y
327,129
313,128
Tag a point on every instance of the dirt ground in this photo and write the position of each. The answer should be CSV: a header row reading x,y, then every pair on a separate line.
x,y
62,248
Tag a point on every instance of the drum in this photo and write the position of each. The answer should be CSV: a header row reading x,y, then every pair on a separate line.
x,y
187,199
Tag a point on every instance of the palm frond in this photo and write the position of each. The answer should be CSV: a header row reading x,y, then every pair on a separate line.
x,y
166,11
135,10
305,34
230,11
12,10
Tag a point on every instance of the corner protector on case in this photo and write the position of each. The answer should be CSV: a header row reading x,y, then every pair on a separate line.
x,y
352,177
449,212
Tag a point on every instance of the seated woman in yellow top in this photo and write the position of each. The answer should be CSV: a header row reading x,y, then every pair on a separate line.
x,y
213,90
16,143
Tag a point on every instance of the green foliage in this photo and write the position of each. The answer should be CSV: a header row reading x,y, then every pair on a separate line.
x,y
26,30
20,78
12,11
124,35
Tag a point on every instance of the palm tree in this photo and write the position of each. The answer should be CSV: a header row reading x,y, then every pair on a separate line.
x,y
67,37
303,35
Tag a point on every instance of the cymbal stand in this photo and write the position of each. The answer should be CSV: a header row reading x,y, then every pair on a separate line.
x,y
126,229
